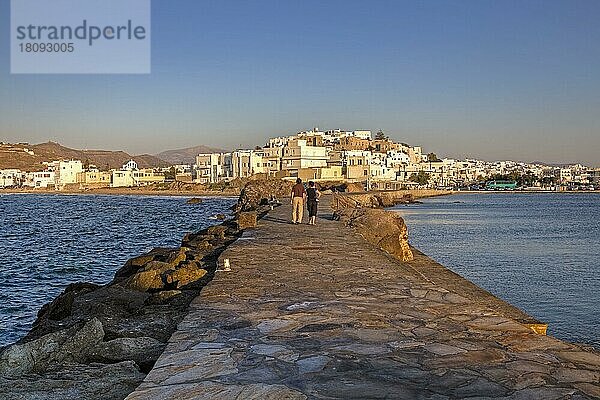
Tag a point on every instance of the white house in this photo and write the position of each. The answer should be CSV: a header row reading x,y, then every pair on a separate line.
x,y
213,167
9,177
362,134
298,155
394,158
122,178
130,166
43,179
65,171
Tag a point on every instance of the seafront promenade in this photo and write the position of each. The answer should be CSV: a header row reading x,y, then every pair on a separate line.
x,y
318,313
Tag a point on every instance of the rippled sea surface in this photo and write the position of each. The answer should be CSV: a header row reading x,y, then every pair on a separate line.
x,y
49,241
539,252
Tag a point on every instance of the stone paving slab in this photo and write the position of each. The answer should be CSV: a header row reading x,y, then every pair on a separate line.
x,y
315,312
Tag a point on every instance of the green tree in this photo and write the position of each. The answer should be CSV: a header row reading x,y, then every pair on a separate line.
x,y
170,174
432,157
422,178
548,180
380,135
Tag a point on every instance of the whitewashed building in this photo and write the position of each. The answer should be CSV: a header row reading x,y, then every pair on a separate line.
x,y
65,171
123,178
298,155
10,178
43,179
394,158
213,167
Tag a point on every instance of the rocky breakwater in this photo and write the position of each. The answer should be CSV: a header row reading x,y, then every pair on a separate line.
x,y
384,229
259,195
390,198
99,342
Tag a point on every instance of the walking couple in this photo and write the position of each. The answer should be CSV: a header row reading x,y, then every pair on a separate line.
x,y
299,196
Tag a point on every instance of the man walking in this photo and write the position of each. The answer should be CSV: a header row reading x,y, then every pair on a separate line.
x,y
298,196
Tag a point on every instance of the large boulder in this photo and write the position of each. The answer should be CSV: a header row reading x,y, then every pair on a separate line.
x,y
175,269
77,347
149,277
143,350
75,381
260,192
157,276
20,359
186,273
381,228
62,307
107,303
247,220
166,255
69,345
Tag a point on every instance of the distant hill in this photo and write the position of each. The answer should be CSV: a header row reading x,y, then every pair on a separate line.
x,y
187,155
14,156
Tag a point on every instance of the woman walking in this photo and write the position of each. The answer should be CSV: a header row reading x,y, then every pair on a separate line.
x,y
312,197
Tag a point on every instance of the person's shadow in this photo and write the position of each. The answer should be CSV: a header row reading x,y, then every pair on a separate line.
x,y
328,217
277,220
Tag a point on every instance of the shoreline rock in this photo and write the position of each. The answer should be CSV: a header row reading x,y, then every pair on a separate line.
x,y
194,200
114,332
382,228
258,195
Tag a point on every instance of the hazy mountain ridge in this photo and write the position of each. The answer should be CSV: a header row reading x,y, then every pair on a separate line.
x,y
14,156
187,155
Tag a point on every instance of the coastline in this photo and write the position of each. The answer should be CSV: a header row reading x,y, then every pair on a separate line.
x,y
417,193
526,192
126,192
100,340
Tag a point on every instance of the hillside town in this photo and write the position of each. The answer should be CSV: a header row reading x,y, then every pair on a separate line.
x,y
334,155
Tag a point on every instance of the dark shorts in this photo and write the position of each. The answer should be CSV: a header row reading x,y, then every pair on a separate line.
x,y
312,208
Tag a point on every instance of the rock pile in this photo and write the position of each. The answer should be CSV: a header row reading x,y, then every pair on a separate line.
x,y
98,342
380,199
194,200
390,199
259,193
381,228
340,187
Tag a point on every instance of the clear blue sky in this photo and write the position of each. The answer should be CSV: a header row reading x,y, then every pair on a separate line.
x,y
489,79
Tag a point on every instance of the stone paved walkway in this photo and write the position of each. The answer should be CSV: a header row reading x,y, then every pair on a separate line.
x,y
316,312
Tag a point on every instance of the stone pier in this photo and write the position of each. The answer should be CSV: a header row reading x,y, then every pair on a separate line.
x,y
315,312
